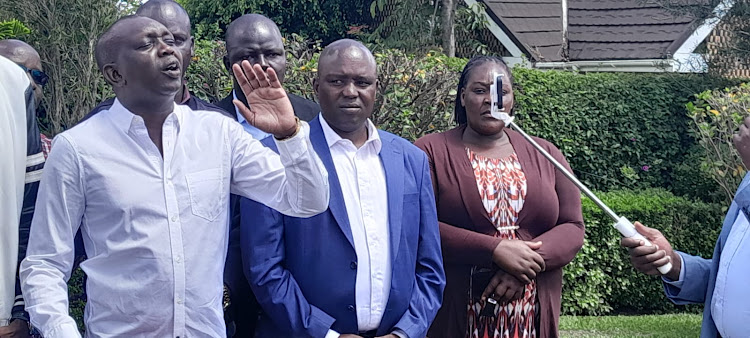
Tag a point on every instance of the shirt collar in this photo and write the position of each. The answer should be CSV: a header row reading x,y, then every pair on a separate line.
x,y
332,137
185,93
124,119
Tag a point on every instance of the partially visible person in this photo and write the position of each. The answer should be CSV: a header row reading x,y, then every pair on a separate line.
x,y
257,39
170,14
16,103
720,283
370,265
27,58
152,200
509,221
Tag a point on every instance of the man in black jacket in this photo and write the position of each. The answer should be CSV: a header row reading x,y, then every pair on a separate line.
x,y
255,38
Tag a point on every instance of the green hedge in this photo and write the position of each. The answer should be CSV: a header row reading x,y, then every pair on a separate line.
x,y
601,280
618,130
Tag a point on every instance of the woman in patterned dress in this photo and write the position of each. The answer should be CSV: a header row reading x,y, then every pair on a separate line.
x,y
509,221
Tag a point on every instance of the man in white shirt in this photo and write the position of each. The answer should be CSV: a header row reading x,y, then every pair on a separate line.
x,y
15,101
148,182
371,265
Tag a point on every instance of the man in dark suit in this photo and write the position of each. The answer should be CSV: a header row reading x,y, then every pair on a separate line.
x,y
257,39
371,265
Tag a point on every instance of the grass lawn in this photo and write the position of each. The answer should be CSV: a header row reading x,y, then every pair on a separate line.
x,y
667,326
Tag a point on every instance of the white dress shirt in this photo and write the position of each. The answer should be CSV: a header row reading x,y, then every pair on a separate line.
x,y
155,228
13,88
729,305
363,186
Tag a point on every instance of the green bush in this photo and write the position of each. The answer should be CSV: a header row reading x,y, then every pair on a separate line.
x,y
619,131
718,115
600,279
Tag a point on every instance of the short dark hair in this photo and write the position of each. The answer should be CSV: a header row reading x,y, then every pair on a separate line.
x,y
459,113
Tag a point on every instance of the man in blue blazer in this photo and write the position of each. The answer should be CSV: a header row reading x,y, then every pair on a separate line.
x,y
721,283
370,265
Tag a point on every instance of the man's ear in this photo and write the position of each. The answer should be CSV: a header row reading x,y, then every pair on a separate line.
x,y
316,84
227,65
113,76
192,47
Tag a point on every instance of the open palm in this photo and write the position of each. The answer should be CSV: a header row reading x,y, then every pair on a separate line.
x,y
270,109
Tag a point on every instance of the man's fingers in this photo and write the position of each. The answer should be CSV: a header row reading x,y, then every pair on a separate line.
x,y
273,78
630,242
262,75
650,258
245,111
643,250
239,74
252,77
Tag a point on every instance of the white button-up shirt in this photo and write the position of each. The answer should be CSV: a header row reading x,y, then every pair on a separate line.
x,y
155,228
363,186
729,305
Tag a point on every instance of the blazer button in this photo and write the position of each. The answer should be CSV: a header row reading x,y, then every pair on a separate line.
x,y
350,307
353,265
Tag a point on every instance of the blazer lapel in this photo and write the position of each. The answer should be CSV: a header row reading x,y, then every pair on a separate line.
x,y
467,183
336,201
393,165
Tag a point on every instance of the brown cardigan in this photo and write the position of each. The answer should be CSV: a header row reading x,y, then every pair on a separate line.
x,y
551,214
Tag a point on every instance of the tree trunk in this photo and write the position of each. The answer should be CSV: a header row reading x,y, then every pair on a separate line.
x,y
448,22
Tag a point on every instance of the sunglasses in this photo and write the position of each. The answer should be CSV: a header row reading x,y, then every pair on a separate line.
x,y
39,76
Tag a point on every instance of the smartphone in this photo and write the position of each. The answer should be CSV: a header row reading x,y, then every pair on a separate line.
x,y
496,90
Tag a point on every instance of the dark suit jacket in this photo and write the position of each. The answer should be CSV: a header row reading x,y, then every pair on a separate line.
x,y
303,270
551,213
245,309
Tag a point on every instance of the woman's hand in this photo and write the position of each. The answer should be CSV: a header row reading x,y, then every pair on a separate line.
x,y
519,259
504,288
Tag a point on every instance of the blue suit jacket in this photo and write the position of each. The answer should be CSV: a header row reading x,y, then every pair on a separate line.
x,y
700,273
303,270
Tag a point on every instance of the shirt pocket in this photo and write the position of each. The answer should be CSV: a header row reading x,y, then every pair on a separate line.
x,y
207,194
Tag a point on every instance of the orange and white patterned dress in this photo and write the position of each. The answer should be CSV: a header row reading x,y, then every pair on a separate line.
x,y
502,186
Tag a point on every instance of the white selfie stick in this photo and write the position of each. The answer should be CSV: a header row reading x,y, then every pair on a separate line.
x,y
622,224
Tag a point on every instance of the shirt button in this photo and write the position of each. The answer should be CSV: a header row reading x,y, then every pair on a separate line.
x,y
353,265
179,301
178,259
350,307
174,218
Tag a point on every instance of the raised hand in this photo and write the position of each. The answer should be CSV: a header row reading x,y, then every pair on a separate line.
x,y
504,288
519,258
647,259
270,109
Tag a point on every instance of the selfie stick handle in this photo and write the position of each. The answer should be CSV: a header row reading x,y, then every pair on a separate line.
x,y
622,224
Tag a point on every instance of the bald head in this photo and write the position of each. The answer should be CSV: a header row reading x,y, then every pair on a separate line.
x,y
109,43
176,19
254,25
21,53
345,50
257,39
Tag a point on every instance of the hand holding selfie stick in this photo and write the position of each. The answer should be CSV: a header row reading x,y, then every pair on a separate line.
x,y
622,224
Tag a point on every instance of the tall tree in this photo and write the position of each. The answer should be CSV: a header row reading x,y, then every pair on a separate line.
x,y
448,22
